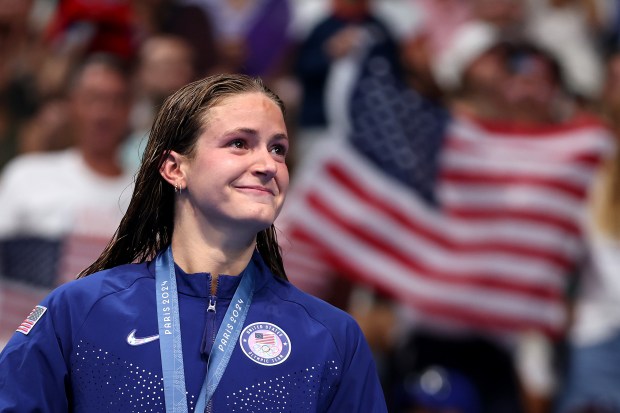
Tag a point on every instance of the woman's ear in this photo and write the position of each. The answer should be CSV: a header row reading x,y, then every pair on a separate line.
x,y
172,171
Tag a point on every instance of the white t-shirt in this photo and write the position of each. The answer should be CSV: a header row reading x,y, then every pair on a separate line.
x,y
56,196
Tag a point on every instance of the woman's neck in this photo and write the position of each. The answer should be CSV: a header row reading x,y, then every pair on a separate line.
x,y
216,259
212,255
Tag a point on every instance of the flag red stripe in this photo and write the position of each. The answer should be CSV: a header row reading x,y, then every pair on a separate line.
x,y
466,316
477,279
551,131
345,178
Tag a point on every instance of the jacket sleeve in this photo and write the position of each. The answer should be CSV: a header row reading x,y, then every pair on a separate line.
x,y
33,370
359,390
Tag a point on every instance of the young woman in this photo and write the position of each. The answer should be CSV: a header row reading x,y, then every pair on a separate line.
x,y
188,308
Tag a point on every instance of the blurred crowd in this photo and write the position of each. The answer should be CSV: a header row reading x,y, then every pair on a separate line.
x,y
81,81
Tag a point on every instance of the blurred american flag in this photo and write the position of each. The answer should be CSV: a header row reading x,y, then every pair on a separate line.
x,y
470,224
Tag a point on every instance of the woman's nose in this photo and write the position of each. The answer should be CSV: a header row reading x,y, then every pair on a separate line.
x,y
265,163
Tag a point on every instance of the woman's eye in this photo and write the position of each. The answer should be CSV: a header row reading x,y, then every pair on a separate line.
x,y
238,143
279,150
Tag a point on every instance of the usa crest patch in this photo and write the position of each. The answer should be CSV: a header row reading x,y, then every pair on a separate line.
x,y
34,316
265,343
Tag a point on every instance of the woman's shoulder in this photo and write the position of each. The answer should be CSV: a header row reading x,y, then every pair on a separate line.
x,y
63,312
90,289
331,317
315,319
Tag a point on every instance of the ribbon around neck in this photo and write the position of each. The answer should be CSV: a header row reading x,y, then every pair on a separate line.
x,y
171,350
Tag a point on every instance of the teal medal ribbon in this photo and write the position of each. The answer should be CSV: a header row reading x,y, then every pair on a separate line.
x,y
170,335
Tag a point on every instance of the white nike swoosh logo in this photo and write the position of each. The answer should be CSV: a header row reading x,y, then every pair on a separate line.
x,y
132,340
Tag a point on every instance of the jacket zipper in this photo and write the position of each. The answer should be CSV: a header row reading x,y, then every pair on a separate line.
x,y
211,318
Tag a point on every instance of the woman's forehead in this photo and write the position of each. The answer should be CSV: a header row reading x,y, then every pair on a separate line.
x,y
234,104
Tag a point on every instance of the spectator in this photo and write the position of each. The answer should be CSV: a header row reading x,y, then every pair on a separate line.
x,y
348,28
189,22
536,93
81,27
165,64
594,343
518,86
252,36
59,209
464,375
473,71
46,129
421,46
17,97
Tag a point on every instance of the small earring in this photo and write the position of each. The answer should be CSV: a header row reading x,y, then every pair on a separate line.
x,y
177,188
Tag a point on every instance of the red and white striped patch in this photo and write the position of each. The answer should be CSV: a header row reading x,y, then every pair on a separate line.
x,y
28,324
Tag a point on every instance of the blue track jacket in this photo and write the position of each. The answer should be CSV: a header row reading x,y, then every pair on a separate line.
x,y
94,348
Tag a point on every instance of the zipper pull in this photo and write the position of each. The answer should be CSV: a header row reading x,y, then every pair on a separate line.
x,y
211,306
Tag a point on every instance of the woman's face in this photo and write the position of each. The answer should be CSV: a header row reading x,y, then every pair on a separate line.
x,y
238,176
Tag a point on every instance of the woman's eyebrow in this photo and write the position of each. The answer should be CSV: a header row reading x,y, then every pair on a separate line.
x,y
254,132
